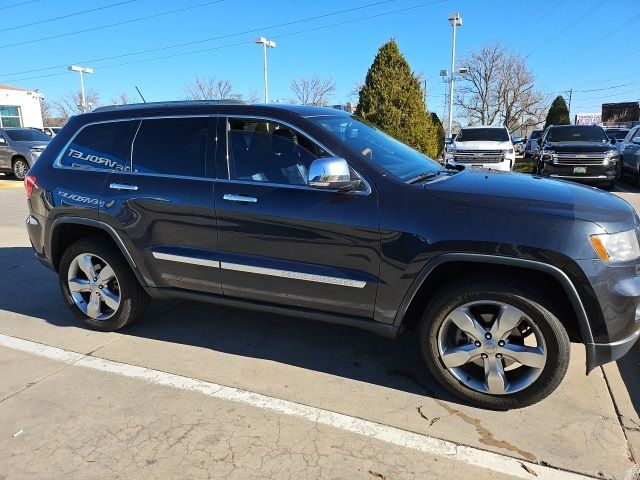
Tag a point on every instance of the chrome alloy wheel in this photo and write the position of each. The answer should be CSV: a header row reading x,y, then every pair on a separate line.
x,y
492,347
20,169
93,286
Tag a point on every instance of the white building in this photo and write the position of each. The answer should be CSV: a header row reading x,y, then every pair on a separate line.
x,y
19,107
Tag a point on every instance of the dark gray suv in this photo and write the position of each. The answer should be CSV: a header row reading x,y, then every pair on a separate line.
x,y
310,212
20,148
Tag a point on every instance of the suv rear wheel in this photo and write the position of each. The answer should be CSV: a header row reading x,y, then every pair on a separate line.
x,y
494,345
99,286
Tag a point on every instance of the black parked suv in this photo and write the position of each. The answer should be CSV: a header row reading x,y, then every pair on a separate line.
x,y
311,212
582,153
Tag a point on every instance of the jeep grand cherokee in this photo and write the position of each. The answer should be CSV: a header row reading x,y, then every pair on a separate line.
x,y
310,212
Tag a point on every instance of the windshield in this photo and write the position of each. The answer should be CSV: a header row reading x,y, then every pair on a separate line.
x,y
483,134
577,134
535,134
27,135
388,153
617,134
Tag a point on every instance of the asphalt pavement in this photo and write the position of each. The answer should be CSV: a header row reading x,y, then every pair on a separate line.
x,y
199,391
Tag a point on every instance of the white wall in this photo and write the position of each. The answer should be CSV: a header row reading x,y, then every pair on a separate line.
x,y
29,103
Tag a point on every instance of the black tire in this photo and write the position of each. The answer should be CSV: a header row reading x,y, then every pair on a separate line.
x,y
20,168
533,304
133,298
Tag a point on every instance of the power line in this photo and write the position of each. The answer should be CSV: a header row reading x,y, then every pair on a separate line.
x,y
76,32
193,52
610,96
606,88
210,39
20,4
609,34
541,17
66,16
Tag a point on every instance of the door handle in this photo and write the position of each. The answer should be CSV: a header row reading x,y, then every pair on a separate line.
x,y
123,186
239,198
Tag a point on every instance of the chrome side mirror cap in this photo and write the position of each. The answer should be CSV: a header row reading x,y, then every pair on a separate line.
x,y
331,173
2,141
636,140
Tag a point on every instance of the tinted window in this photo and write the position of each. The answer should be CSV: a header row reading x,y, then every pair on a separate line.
x,y
103,145
173,146
27,135
535,134
483,134
577,134
379,148
618,134
266,151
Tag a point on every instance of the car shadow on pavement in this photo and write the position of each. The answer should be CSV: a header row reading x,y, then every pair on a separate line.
x,y
629,366
30,289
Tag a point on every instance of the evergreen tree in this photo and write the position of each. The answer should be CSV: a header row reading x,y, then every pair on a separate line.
x,y
391,99
439,131
558,113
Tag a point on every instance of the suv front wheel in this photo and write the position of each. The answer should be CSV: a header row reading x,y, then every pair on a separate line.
x,y
494,345
99,286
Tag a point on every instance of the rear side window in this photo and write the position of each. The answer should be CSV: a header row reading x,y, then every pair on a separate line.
x,y
103,145
172,146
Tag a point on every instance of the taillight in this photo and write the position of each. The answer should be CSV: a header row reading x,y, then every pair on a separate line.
x,y
29,183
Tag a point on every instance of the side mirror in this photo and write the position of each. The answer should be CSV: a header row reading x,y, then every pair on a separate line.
x,y
539,140
448,140
2,141
614,141
331,173
636,140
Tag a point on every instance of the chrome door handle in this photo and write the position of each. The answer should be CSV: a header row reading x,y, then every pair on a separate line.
x,y
239,198
123,186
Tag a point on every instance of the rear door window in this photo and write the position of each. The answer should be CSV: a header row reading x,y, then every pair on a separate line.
x,y
102,145
171,146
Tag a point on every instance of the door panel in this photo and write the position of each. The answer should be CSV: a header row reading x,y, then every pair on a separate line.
x,y
169,227
299,246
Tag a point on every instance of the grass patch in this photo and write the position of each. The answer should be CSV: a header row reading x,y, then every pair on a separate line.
x,y
523,166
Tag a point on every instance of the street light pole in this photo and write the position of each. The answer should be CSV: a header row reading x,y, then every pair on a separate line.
x,y
81,70
456,21
265,44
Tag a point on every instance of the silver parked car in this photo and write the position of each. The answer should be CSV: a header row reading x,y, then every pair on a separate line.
x,y
20,148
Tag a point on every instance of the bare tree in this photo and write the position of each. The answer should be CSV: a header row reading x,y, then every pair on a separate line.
x,y
71,103
498,88
355,88
208,89
314,90
122,98
253,97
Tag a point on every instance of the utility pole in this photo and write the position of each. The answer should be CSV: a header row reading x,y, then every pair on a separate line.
x,y
424,93
570,93
81,70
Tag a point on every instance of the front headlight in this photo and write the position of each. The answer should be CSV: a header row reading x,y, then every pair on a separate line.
x,y
616,247
548,155
506,152
611,156
35,152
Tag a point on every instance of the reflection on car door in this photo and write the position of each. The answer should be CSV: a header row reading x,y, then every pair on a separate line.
x,y
283,242
5,154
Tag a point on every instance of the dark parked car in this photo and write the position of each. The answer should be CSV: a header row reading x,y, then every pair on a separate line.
x,y
532,144
309,212
619,133
20,148
582,153
629,149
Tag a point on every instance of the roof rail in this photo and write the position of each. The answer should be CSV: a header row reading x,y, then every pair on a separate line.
x,y
175,103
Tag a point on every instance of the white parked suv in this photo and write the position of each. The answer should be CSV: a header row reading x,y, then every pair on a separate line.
x,y
486,147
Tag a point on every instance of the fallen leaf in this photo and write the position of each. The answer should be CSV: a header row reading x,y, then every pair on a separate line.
x,y
529,470
378,475
422,414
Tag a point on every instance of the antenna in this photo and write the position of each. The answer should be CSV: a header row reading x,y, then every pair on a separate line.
x,y
140,93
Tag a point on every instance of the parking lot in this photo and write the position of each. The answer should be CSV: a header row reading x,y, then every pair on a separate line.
x,y
201,391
